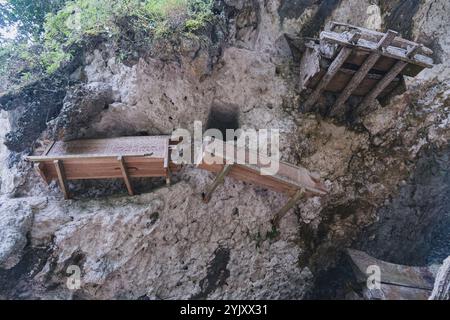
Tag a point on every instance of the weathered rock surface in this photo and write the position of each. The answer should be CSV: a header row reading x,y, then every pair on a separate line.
x,y
166,243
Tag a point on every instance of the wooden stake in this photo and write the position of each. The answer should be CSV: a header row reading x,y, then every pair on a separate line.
x,y
168,176
331,72
219,180
125,175
62,178
39,167
359,76
382,84
283,211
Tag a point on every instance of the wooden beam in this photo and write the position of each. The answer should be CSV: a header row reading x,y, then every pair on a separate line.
x,y
375,36
369,46
125,175
40,169
368,64
62,178
283,211
219,180
331,72
382,84
168,182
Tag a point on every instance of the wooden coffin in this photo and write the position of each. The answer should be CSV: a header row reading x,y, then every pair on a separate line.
x,y
397,282
123,157
288,179
358,62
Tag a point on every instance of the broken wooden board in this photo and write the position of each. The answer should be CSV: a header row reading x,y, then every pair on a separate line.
x,y
397,281
124,158
358,62
288,179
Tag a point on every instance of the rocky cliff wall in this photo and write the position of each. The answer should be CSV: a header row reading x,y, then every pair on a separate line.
x,y
165,243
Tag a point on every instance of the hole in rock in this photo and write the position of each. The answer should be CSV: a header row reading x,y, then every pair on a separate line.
x,y
223,117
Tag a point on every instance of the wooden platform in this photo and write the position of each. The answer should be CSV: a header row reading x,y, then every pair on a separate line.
x,y
397,282
288,179
133,157
359,62
124,157
294,181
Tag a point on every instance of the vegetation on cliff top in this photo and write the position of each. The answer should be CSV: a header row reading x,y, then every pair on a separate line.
x,y
47,31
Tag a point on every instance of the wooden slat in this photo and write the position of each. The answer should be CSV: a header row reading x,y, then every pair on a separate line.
x,y
338,107
375,36
49,147
62,178
217,181
107,168
287,178
382,84
391,52
168,176
40,169
331,72
125,175
414,277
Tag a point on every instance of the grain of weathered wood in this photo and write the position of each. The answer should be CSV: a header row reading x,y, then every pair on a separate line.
x,y
125,175
40,169
375,36
62,178
382,84
288,179
338,107
334,68
331,72
369,46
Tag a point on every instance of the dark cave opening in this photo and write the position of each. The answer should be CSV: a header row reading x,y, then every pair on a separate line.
x,y
223,117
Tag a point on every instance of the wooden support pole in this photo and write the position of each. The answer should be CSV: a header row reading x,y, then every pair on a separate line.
x,y
168,176
359,76
331,72
40,169
283,211
382,84
125,175
219,180
62,178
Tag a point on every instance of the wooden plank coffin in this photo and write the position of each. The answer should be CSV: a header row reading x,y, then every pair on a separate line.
x,y
358,62
123,157
288,179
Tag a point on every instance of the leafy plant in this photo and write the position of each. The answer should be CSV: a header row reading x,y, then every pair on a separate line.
x,y
56,31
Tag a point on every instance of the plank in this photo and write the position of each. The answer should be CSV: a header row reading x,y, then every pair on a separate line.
x,y
217,181
414,277
284,210
338,107
125,175
40,169
391,52
62,178
152,146
382,84
107,168
375,36
331,72
168,176
288,179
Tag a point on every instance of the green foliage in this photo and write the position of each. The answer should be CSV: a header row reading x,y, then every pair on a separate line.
x,y
27,15
57,31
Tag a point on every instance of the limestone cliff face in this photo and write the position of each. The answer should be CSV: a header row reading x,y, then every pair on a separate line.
x,y
388,173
